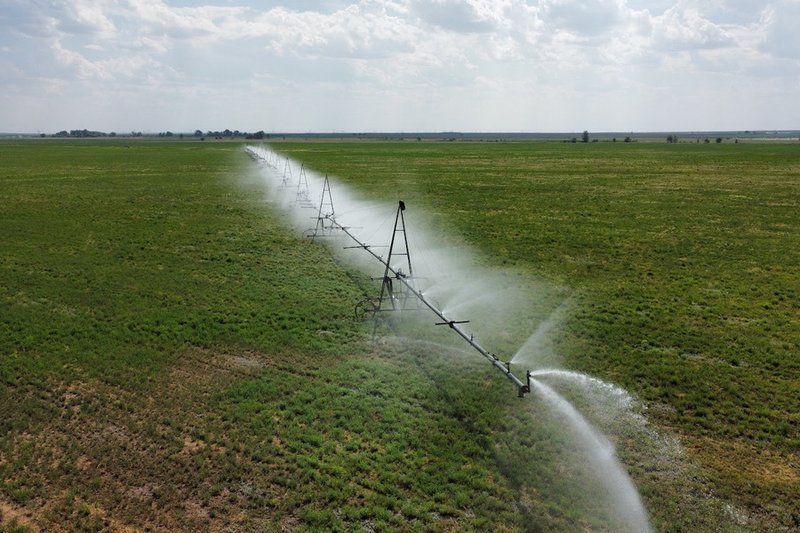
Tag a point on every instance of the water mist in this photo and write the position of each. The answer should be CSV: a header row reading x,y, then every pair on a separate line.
x,y
481,295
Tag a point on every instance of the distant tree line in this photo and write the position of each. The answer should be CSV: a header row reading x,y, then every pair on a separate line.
x,y
80,133
673,139
231,134
84,133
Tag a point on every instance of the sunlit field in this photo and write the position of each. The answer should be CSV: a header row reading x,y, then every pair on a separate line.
x,y
174,354
685,260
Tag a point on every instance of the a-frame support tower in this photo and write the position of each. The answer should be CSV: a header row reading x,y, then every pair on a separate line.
x,y
325,213
396,295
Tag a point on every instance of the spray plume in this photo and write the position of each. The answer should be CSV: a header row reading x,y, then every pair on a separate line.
x,y
452,281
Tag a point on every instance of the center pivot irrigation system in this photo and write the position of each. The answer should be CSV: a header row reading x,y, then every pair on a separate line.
x,y
398,291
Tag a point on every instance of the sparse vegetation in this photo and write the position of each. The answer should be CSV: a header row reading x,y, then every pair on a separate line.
x,y
688,267
173,356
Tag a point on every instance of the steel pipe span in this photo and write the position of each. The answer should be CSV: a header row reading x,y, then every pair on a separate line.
x,y
523,387
503,367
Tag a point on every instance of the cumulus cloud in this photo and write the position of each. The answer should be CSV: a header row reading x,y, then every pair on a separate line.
x,y
685,28
351,32
453,52
84,17
182,22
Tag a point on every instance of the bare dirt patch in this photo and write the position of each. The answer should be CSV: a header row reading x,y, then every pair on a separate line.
x,y
11,515
131,458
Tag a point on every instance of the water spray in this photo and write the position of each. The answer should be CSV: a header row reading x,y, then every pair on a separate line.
x,y
387,290
398,300
399,292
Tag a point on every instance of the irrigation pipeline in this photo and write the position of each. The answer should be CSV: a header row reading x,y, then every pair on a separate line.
x,y
503,367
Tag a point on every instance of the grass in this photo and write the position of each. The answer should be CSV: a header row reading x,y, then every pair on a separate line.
x,y
174,356
686,260
120,259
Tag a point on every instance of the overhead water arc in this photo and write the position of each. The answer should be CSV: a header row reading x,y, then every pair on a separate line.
x,y
443,281
621,492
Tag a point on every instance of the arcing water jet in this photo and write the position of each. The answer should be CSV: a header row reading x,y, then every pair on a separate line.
x,y
399,281
621,492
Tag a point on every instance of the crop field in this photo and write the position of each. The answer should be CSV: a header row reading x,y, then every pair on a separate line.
x,y
175,355
686,261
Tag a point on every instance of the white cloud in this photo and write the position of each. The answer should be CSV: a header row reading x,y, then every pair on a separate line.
x,y
512,62
684,27
352,32
85,16
182,22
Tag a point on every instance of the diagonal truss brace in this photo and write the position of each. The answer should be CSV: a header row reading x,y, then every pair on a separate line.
x,y
396,274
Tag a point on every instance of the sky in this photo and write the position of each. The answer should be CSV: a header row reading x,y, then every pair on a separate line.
x,y
399,65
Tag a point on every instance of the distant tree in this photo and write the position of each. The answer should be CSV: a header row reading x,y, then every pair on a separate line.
x,y
672,139
198,133
627,139
86,133
614,140
706,140
719,140
574,139
585,136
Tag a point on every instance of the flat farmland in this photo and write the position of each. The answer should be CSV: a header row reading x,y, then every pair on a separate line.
x,y
685,260
174,355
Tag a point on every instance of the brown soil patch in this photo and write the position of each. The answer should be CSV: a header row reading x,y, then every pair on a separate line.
x,y
763,466
10,514
190,446
133,457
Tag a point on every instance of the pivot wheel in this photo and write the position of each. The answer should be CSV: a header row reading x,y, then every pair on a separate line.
x,y
365,309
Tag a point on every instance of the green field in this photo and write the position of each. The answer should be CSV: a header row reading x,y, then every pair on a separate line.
x,y
175,355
